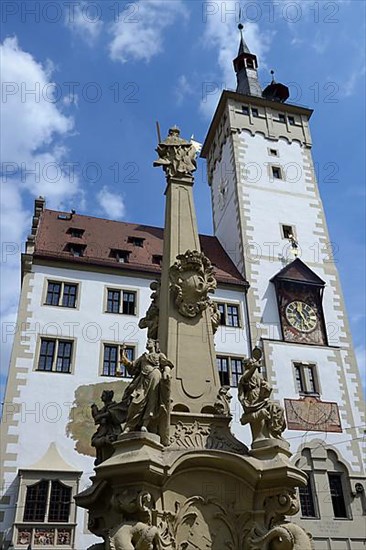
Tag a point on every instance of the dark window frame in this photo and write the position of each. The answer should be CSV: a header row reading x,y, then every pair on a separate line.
x,y
287,230
308,499
336,488
306,378
77,250
55,355
76,232
255,112
67,295
228,369
136,241
276,170
110,365
227,316
121,256
121,302
48,501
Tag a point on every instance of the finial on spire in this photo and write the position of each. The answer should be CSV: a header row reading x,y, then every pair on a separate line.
x,y
273,79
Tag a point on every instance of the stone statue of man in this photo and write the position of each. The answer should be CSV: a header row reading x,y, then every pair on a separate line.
x,y
147,394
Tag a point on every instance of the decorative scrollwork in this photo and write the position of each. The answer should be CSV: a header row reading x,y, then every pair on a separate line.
x,y
188,436
191,280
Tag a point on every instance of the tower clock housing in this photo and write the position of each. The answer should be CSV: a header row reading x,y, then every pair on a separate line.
x,y
299,296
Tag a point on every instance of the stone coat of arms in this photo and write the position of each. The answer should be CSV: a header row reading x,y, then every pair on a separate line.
x,y
191,280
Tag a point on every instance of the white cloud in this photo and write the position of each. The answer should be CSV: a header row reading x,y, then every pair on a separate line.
x,y
33,126
32,132
350,83
85,20
138,35
183,89
220,34
111,203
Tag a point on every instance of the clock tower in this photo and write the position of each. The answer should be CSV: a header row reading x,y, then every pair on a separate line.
x,y
269,217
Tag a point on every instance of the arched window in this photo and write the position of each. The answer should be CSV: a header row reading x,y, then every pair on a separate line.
x,y
307,495
36,502
47,501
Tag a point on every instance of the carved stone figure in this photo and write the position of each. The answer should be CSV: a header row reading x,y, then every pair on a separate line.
x,y
222,403
176,155
136,530
215,316
108,419
266,418
279,534
191,280
287,536
151,319
147,396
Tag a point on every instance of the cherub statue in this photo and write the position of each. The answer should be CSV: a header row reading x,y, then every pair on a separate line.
x,y
266,418
148,394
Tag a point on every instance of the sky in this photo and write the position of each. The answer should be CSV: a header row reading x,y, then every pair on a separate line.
x,y
84,82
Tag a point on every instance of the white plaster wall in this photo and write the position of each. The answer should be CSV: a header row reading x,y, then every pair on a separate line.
x,y
225,213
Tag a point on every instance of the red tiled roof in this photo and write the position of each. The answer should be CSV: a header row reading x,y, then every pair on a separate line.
x,y
101,236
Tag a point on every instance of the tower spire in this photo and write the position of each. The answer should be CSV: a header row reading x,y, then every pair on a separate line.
x,y
246,65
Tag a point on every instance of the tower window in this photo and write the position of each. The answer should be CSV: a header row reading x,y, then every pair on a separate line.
x,y
276,172
255,112
288,231
121,301
250,63
291,120
273,152
281,117
307,498
306,379
136,241
337,495
245,110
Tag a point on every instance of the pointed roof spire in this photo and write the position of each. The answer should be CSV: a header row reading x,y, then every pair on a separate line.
x,y
243,48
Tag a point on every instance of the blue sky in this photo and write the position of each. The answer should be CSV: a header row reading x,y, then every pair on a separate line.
x,y
103,72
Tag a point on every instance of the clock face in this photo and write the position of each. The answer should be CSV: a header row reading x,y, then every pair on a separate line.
x,y
301,316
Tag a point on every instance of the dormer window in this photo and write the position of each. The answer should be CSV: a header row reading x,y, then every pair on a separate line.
x,y
136,241
122,256
76,250
75,232
157,259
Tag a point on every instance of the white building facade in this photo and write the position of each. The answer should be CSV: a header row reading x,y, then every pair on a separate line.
x,y
85,286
